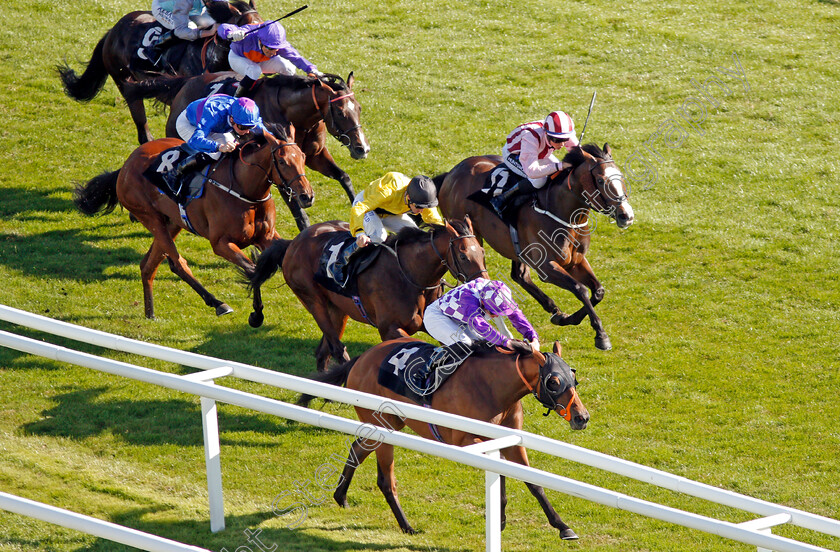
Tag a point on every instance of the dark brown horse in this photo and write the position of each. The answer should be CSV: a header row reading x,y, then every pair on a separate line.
x,y
394,290
118,51
236,210
314,106
553,229
488,387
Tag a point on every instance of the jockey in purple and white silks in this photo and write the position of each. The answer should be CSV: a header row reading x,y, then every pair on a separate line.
x,y
262,48
529,152
460,315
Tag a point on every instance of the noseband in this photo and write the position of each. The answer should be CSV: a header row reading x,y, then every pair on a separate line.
x,y
343,136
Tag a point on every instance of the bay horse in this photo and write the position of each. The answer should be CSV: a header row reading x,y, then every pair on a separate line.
x,y
313,105
235,211
126,40
553,228
393,291
488,386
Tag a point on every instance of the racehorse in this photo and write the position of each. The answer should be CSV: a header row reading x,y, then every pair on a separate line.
x,y
553,229
118,51
488,387
313,105
235,211
393,292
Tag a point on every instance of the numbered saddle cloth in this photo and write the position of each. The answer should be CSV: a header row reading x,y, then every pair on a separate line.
x,y
142,57
403,371
499,180
361,261
165,162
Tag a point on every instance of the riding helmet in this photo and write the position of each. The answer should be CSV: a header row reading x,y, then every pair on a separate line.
x,y
245,112
422,192
559,125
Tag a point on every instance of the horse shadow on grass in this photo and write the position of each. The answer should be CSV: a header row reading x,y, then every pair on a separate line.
x,y
80,414
235,539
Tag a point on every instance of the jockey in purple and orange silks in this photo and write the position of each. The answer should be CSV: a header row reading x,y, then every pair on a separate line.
x,y
529,153
262,48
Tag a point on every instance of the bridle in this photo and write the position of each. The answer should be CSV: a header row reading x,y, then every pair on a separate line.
x,y
458,274
457,270
286,186
342,136
542,384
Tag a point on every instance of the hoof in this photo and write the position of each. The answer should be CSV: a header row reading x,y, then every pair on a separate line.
x,y
409,530
256,319
603,343
559,319
223,309
568,534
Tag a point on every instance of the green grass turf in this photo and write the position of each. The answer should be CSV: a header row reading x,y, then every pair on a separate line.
x,y
722,300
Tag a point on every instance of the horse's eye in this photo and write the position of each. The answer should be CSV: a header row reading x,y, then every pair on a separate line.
x,y
463,257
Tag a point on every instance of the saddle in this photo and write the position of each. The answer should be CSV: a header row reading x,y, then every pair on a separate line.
x,y
500,180
403,370
165,162
359,262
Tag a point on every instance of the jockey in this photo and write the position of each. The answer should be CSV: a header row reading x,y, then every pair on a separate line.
x,y
207,126
262,48
459,320
393,196
185,19
529,153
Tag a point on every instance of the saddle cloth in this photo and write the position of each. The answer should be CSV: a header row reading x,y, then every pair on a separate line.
x,y
168,62
401,371
499,180
166,161
359,262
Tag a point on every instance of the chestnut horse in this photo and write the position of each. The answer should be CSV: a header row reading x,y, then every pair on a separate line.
x,y
393,291
235,211
553,228
488,387
126,40
313,105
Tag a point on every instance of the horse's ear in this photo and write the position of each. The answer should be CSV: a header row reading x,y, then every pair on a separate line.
x,y
607,149
450,228
557,348
291,132
350,79
469,223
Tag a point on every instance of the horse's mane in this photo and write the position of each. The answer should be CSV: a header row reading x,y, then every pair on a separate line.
x,y
241,6
409,235
280,131
576,157
295,82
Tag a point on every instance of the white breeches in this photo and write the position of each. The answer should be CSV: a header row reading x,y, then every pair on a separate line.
x,y
170,20
186,129
244,67
377,227
448,331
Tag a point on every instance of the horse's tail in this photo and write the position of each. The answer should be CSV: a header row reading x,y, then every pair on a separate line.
x,y
336,375
163,89
84,88
438,180
98,194
267,263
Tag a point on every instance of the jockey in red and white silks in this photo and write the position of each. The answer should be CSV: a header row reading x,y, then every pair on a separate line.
x,y
529,149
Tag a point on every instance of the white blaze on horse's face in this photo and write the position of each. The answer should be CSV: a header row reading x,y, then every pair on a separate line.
x,y
614,190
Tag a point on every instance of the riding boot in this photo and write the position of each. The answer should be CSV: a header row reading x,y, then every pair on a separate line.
x,y
155,52
175,178
245,86
444,357
498,202
338,267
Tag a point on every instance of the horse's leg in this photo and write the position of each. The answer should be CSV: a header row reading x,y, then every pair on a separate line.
x,y
298,213
357,455
387,483
521,274
148,269
517,454
583,273
558,276
138,114
323,162
331,321
503,501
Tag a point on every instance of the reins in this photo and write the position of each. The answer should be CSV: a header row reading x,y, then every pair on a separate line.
x,y
458,272
286,185
440,257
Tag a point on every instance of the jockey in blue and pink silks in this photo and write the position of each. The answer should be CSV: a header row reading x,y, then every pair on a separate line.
x,y
529,153
262,48
209,127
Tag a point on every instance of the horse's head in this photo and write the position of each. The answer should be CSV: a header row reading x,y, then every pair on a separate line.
x,y
464,255
344,115
556,389
239,13
288,169
601,184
